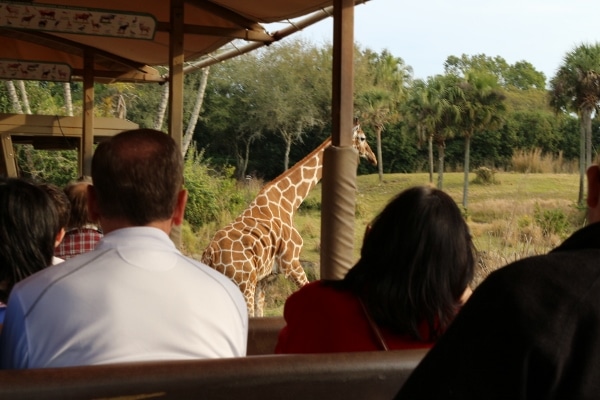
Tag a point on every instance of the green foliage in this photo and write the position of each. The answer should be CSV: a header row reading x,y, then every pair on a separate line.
x,y
485,176
552,221
208,195
258,104
310,204
56,167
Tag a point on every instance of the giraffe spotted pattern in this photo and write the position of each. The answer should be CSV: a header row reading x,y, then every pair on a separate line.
x,y
263,236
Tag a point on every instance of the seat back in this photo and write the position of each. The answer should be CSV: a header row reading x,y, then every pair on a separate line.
x,y
347,376
262,334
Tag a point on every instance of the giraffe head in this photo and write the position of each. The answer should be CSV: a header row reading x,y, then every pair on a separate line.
x,y
359,141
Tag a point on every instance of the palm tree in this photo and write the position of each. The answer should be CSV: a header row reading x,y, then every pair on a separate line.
x,y
576,88
374,108
422,111
414,111
377,103
446,89
481,108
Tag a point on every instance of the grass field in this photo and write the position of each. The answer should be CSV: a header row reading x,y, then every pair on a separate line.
x,y
521,215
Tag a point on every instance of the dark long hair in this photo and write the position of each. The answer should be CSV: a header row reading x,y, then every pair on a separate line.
x,y
416,261
27,231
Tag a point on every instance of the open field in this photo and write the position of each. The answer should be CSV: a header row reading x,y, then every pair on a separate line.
x,y
521,215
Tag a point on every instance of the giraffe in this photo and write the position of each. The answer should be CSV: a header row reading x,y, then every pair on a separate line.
x,y
246,250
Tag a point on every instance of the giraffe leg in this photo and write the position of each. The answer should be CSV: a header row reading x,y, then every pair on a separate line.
x,y
296,274
259,301
248,288
289,261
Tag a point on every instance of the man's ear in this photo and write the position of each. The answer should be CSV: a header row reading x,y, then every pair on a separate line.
x,y
179,211
59,237
92,203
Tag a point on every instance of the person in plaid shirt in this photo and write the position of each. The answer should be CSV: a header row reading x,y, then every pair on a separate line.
x,y
82,233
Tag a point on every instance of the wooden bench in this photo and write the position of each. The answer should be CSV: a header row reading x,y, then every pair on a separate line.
x,y
366,375
347,376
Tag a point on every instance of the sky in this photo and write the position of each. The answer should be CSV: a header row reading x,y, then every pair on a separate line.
x,y
425,32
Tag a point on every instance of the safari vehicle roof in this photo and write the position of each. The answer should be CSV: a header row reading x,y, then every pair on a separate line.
x,y
130,38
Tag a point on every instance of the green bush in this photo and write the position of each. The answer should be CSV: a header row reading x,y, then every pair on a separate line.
x,y
209,194
310,204
485,176
552,221
51,166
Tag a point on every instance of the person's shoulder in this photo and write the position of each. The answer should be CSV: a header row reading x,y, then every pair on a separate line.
x,y
569,276
35,284
556,265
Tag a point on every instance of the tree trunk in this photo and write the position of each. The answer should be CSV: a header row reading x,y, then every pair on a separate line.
x,y
288,147
14,98
68,98
465,201
430,152
587,121
189,133
162,108
24,97
379,156
441,150
246,157
121,107
582,137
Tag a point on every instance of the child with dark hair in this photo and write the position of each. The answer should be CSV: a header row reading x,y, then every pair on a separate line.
x,y
82,232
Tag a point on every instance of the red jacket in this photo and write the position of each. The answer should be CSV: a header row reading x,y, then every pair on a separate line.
x,y
324,319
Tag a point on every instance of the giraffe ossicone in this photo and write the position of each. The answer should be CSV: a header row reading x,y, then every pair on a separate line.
x,y
247,249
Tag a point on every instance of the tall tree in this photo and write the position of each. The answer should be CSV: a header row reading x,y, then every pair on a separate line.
x,y
521,75
576,88
415,113
481,108
68,98
14,97
378,103
287,93
189,132
375,108
162,107
24,96
447,87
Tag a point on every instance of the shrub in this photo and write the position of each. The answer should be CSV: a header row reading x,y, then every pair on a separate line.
x,y
310,204
208,195
485,176
552,221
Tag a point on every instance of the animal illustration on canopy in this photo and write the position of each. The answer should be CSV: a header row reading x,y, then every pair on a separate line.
x,y
246,250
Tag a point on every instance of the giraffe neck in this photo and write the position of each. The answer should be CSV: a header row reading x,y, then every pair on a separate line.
x,y
293,185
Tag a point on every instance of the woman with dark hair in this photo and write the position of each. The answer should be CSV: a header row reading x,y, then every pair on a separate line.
x,y
28,221
416,263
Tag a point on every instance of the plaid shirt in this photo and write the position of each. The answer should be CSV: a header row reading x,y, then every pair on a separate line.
x,y
77,241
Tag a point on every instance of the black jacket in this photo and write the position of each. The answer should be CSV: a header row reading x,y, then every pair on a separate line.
x,y
531,330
